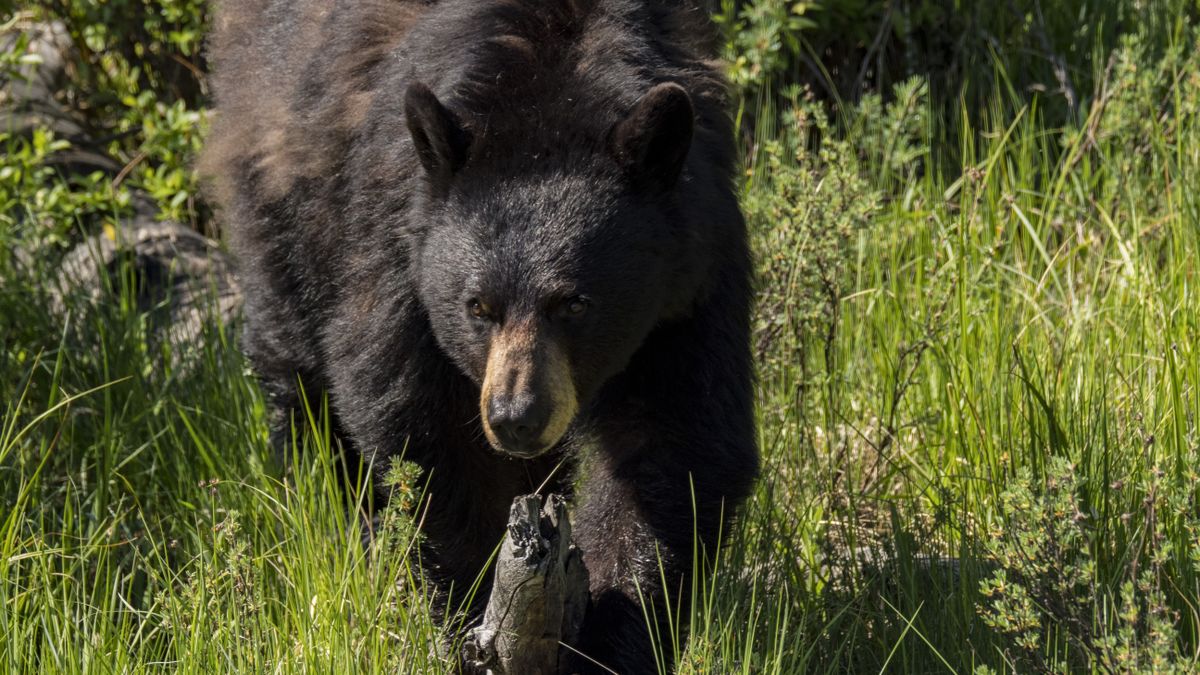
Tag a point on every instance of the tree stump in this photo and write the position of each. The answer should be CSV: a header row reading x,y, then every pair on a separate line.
x,y
538,597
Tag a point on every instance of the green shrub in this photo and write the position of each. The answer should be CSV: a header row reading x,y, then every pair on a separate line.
x,y
1065,597
137,89
39,206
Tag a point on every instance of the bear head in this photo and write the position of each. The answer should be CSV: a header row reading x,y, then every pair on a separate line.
x,y
543,269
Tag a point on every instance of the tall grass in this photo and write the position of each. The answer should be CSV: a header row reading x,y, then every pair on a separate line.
x,y
977,398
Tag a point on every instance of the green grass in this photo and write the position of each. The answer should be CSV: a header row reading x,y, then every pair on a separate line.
x,y
979,391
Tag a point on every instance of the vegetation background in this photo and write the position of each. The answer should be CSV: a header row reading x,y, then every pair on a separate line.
x,y
977,227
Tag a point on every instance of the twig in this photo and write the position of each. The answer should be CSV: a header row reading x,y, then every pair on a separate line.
x,y
876,45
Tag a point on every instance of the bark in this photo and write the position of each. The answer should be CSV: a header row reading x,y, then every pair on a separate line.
x,y
538,597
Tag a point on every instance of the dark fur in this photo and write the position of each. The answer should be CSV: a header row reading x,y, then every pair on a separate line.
x,y
357,260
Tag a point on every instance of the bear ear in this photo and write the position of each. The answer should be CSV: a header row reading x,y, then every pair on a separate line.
x,y
652,142
441,141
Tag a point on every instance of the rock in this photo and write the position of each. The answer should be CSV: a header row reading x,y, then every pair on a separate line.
x,y
181,279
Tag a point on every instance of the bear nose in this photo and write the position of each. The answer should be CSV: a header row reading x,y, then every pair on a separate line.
x,y
517,421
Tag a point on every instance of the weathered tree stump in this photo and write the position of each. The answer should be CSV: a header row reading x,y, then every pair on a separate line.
x,y
539,595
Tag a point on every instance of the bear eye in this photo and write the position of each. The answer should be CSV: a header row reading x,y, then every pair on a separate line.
x,y
576,306
477,309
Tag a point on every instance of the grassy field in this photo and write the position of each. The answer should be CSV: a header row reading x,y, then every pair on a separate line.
x,y
979,398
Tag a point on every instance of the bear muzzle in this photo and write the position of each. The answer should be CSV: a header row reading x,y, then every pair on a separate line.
x,y
528,396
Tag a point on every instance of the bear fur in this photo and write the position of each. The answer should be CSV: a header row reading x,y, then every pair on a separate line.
x,y
503,237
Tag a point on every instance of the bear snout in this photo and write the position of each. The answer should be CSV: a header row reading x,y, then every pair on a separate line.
x,y
528,396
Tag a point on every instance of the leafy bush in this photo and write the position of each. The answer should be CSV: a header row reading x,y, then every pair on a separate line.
x,y
814,192
125,47
39,206
137,93
1065,596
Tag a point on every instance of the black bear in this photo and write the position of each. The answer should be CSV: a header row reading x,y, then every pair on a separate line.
x,y
503,237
